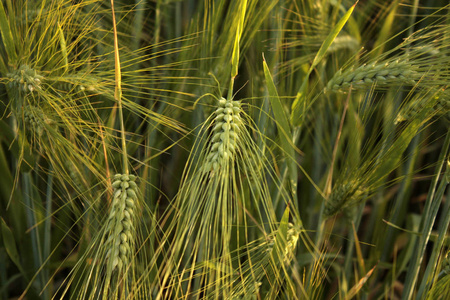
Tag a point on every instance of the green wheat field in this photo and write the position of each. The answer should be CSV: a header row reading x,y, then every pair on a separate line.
x,y
224,149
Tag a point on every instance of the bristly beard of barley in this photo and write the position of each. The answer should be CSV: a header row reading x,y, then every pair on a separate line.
x,y
120,225
225,134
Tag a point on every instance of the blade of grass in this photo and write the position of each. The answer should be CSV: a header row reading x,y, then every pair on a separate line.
x,y
433,202
62,44
299,102
438,244
283,127
10,245
235,54
356,288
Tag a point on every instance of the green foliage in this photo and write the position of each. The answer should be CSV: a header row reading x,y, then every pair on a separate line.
x,y
263,149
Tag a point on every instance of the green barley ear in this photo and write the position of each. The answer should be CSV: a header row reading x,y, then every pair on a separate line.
x,y
290,244
437,103
421,65
343,196
221,186
24,79
22,82
384,74
120,226
107,270
225,136
36,120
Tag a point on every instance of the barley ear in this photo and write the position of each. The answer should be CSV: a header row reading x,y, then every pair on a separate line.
x,y
375,74
225,134
344,196
119,234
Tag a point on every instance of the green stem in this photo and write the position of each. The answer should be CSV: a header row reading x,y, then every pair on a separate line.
x,y
31,222
118,91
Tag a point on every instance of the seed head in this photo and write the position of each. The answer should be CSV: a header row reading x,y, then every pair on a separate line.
x,y
225,134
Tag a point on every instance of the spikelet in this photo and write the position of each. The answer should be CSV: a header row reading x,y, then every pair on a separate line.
x,y
120,226
225,134
395,73
344,196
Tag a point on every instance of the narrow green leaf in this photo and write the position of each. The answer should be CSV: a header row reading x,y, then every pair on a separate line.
x,y
7,36
331,36
62,43
428,217
280,241
10,244
235,55
283,126
299,102
299,105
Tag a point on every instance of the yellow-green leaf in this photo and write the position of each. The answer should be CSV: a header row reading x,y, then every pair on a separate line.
x,y
299,100
10,244
283,126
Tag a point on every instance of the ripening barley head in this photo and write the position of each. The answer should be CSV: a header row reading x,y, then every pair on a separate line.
x,y
112,254
218,187
344,196
436,102
420,62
